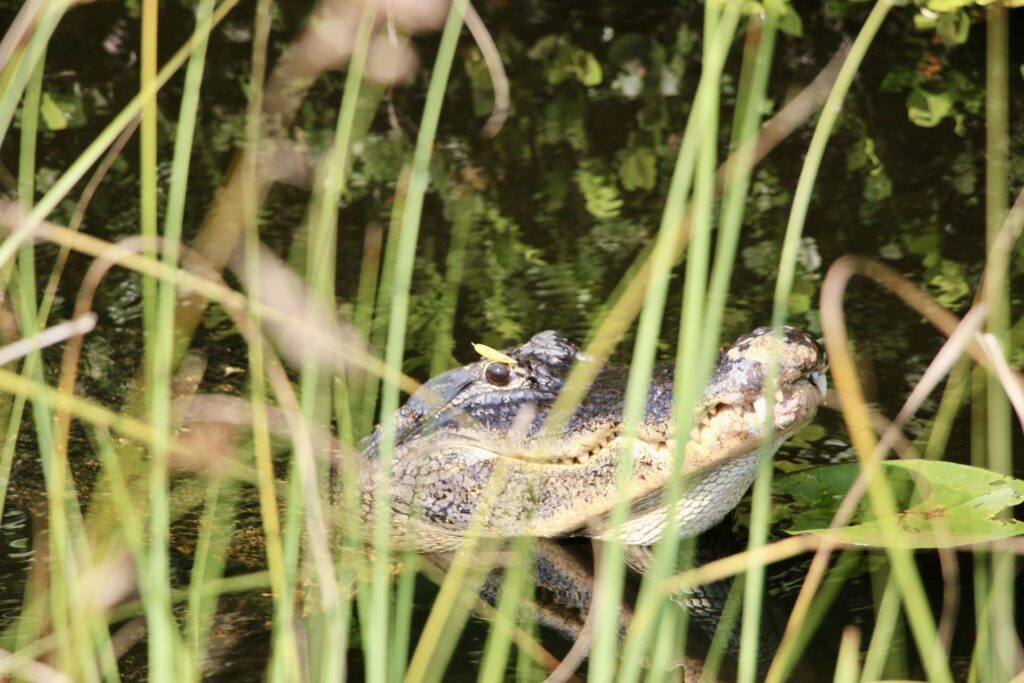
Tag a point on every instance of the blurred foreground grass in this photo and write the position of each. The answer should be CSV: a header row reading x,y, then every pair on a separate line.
x,y
106,578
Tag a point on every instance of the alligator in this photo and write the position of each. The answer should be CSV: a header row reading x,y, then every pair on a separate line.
x,y
475,452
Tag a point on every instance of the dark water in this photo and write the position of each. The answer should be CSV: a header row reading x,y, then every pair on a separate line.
x,y
538,256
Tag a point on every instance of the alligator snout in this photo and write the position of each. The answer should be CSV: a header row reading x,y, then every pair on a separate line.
x,y
761,357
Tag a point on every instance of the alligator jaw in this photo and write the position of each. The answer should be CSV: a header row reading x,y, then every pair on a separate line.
x,y
737,429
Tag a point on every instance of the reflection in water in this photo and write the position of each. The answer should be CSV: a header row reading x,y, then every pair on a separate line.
x,y
16,555
564,589
563,592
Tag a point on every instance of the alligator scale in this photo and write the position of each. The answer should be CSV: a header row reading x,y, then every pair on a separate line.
x,y
475,452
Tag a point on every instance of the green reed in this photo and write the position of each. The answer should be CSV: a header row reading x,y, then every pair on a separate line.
x,y
913,591
992,424
720,33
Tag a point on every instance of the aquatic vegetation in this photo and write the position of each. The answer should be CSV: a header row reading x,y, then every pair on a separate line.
x,y
234,235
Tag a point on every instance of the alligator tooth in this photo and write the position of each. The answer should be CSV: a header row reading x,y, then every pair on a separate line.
x,y
761,408
820,381
780,396
695,434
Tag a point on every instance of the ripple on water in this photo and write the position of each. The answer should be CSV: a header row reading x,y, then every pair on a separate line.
x,y
16,556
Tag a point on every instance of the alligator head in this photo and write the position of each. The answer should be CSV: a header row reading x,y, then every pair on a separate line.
x,y
475,451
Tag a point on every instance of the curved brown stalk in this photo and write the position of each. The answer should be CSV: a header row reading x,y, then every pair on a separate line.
x,y
792,115
499,80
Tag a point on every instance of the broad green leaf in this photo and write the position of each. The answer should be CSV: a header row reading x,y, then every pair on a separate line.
x,y
586,68
927,109
638,169
789,20
953,28
53,116
941,504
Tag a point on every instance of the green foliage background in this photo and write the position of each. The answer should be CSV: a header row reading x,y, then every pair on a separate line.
x,y
568,193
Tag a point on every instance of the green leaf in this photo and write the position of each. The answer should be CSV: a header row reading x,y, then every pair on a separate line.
x,y
53,116
953,28
942,504
789,20
586,68
927,109
562,60
480,82
638,169
544,47
807,436
791,25
600,195
877,187
922,244
942,6
947,283
924,23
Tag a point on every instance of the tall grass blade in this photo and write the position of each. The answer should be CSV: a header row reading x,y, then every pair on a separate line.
x,y
608,592
1005,656
376,633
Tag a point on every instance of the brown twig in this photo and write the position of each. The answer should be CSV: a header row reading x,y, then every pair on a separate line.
x,y
792,115
495,67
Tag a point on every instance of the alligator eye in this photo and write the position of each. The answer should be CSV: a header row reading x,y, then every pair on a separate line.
x,y
498,374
